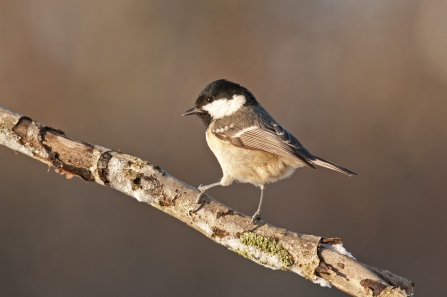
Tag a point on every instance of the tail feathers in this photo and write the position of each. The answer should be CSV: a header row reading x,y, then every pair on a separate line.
x,y
324,163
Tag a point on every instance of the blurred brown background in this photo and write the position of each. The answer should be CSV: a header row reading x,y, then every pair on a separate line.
x,y
361,83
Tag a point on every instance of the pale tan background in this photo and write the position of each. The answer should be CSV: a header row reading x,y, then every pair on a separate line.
x,y
361,83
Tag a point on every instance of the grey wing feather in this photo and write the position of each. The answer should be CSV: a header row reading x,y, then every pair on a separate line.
x,y
273,139
288,138
327,164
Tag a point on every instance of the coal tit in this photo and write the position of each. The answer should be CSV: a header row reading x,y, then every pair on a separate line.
x,y
249,144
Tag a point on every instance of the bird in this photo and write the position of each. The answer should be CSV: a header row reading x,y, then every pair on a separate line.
x,y
249,144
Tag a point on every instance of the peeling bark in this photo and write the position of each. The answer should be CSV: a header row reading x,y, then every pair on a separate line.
x,y
321,260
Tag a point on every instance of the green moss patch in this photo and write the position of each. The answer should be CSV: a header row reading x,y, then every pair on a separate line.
x,y
268,245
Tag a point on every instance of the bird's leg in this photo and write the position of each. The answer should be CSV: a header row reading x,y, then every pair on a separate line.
x,y
257,215
203,188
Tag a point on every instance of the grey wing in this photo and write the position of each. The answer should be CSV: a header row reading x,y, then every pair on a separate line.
x,y
269,138
291,140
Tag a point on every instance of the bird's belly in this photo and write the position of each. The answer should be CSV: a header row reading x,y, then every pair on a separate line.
x,y
251,166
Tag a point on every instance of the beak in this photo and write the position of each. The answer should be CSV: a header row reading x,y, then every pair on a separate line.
x,y
193,110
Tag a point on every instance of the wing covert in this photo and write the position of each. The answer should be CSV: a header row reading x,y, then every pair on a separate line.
x,y
272,138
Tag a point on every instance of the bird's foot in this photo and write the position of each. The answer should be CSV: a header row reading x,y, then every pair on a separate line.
x,y
256,217
200,197
198,200
201,194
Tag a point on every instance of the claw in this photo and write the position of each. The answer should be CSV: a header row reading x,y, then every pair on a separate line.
x,y
200,196
256,217
198,201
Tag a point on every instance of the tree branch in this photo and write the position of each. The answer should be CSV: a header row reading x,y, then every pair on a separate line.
x,y
321,260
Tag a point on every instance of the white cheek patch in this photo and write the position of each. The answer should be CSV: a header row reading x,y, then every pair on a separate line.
x,y
223,107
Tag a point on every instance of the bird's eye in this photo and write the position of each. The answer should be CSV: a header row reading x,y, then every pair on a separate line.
x,y
209,99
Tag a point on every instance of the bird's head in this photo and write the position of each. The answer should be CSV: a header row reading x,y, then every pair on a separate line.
x,y
219,99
